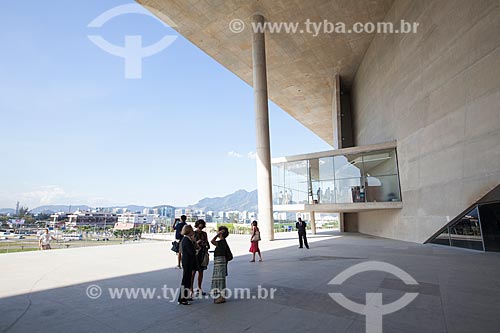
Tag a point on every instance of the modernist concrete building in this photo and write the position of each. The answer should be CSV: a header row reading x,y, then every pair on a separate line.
x,y
413,118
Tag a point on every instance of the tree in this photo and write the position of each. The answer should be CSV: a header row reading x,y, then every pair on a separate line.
x,y
22,212
3,220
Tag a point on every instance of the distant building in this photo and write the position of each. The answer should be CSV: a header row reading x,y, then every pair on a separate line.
x,y
136,218
98,219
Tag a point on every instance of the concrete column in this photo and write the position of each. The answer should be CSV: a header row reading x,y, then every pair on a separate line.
x,y
313,222
341,222
263,149
336,113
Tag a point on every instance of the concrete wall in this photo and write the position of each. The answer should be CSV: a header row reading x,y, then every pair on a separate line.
x,y
437,93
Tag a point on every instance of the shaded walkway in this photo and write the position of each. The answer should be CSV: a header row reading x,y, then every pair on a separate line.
x,y
459,290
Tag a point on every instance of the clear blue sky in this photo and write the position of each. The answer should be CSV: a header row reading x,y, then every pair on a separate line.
x,y
75,131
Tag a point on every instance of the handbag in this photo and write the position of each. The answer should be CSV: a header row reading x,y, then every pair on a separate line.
x,y
205,260
256,237
229,254
175,246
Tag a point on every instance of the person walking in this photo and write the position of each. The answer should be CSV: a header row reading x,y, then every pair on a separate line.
x,y
301,228
222,255
177,226
254,241
188,263
44,240
202,244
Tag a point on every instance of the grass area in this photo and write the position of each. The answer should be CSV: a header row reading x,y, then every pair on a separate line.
x,y
8,250
32,245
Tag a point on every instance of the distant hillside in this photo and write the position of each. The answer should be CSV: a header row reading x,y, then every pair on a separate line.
x,y
50,209
240,200
168,207
7,211
131,208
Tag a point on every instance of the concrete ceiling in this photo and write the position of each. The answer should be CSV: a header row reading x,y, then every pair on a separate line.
x,y
300,66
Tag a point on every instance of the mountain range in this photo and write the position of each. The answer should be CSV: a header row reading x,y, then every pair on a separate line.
x,y
240,200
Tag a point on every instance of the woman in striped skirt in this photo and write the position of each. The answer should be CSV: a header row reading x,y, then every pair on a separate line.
x,y
222,255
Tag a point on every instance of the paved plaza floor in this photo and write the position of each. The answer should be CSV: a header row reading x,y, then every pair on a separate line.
x,y
458,290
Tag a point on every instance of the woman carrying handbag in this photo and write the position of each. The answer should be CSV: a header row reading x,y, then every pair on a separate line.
x,y
254,241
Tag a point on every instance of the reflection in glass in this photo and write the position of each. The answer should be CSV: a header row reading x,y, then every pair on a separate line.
x,y
349,190
348,166
490,225
466,232
351,178
326,171
382,188
443,238
324,191
380,163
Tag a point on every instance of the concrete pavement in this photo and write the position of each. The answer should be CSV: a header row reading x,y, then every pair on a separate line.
x,y
459,290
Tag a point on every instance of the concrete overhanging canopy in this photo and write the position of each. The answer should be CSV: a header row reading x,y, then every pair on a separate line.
x,y
301,67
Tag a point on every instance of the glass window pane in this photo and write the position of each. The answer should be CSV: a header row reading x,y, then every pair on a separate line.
x,y
296,175
324,192
490,224
380,163
466,233
326,171
278,174
314,169
348,166
443,238
382,188
348,190
294,189
278,195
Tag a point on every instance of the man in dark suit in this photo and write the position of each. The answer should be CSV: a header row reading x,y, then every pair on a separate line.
x,y
301,228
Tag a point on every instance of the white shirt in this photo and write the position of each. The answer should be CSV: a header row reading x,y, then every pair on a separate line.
x,y
45,238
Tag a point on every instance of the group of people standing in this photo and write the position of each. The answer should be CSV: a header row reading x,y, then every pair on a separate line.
x,y
192,253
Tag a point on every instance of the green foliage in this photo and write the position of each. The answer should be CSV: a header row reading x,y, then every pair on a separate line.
x,y
242,229
42,217
3,220
128,233
23,212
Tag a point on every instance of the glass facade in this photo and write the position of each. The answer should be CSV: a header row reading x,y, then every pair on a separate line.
x,y
364,177
478,229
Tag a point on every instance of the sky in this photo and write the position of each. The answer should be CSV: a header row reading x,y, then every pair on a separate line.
x,y
74,130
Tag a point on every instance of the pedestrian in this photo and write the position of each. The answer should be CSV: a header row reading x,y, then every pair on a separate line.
x,y
44,240
254,241
202,258
177,226
222,255
301,228
187,248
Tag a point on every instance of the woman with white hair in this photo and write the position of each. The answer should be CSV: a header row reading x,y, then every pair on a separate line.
x,y
188,263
